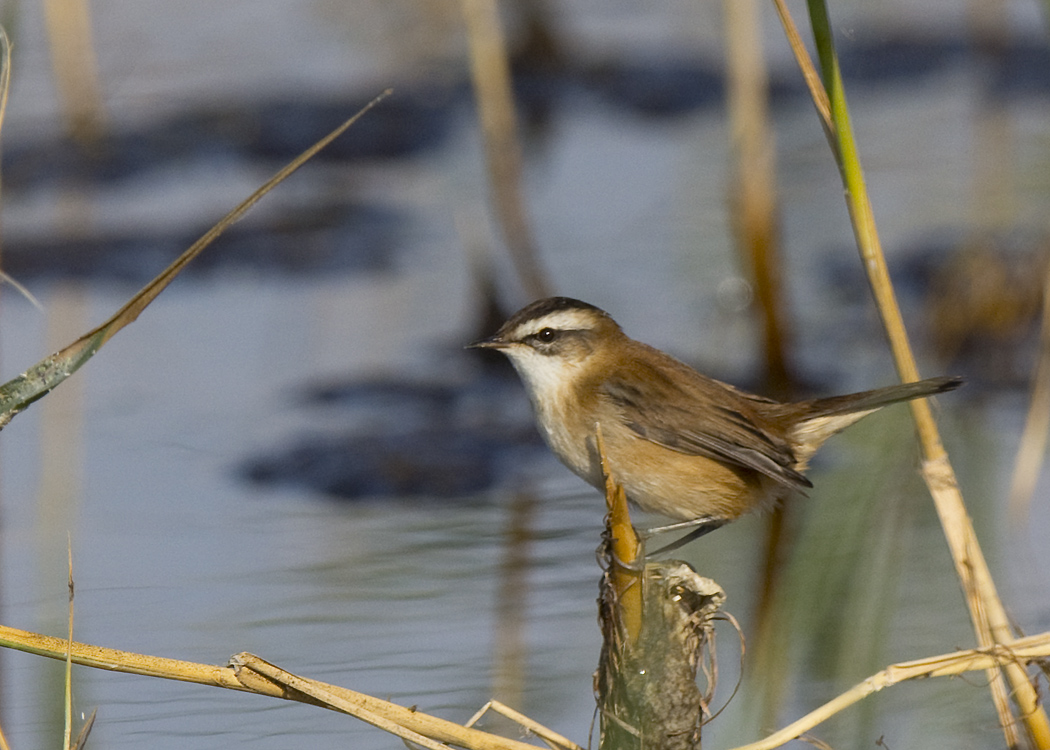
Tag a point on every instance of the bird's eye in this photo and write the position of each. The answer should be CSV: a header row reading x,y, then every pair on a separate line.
x,y
546,335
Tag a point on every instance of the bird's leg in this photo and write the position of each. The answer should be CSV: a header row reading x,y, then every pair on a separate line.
x,y
692,523
698,526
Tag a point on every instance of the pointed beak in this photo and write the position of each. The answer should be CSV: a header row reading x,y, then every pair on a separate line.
x,y
492,342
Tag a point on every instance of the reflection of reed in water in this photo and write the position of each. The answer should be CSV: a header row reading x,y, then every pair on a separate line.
x,y
982,307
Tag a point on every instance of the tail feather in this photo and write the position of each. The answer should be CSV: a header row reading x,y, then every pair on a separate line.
x,y
817,420
871,400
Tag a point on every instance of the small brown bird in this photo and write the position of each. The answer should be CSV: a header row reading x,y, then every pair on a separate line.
x,y
682,445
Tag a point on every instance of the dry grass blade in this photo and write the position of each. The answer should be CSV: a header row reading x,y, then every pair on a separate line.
x,y
85,731
329,699
805,64
946,665
552,738
21,289
5,73
406,721
35,382
249,673
5,90
322,694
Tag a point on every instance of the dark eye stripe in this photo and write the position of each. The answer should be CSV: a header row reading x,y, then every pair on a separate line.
x,y
544,336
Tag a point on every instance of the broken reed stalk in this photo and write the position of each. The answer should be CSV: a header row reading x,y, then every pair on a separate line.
x,y
490,73
249,673
549,736
986,610
656,620
626,553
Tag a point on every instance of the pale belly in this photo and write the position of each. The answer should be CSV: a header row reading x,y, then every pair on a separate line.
x,y
658,480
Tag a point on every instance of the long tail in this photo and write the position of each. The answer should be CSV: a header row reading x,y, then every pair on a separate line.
x,y
871,400
817,420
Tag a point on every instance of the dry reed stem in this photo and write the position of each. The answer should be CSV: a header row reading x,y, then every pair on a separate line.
x,y
490,73
625,549
75,67
251,674
251,670
753,194
5,88
809,73
1029,461
549,736
323,695
1015,652
986,610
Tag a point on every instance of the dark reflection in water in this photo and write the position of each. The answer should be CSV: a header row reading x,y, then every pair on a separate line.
x,y
432,463
424,440
973,299
345,238
405,125
658,87
418,119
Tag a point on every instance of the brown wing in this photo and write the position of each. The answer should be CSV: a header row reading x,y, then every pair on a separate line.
x,y
698,416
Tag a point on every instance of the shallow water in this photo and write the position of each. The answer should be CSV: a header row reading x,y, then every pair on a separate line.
x,y
177,555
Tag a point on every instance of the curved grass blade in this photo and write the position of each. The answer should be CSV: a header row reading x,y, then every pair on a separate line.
x,y
37,381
